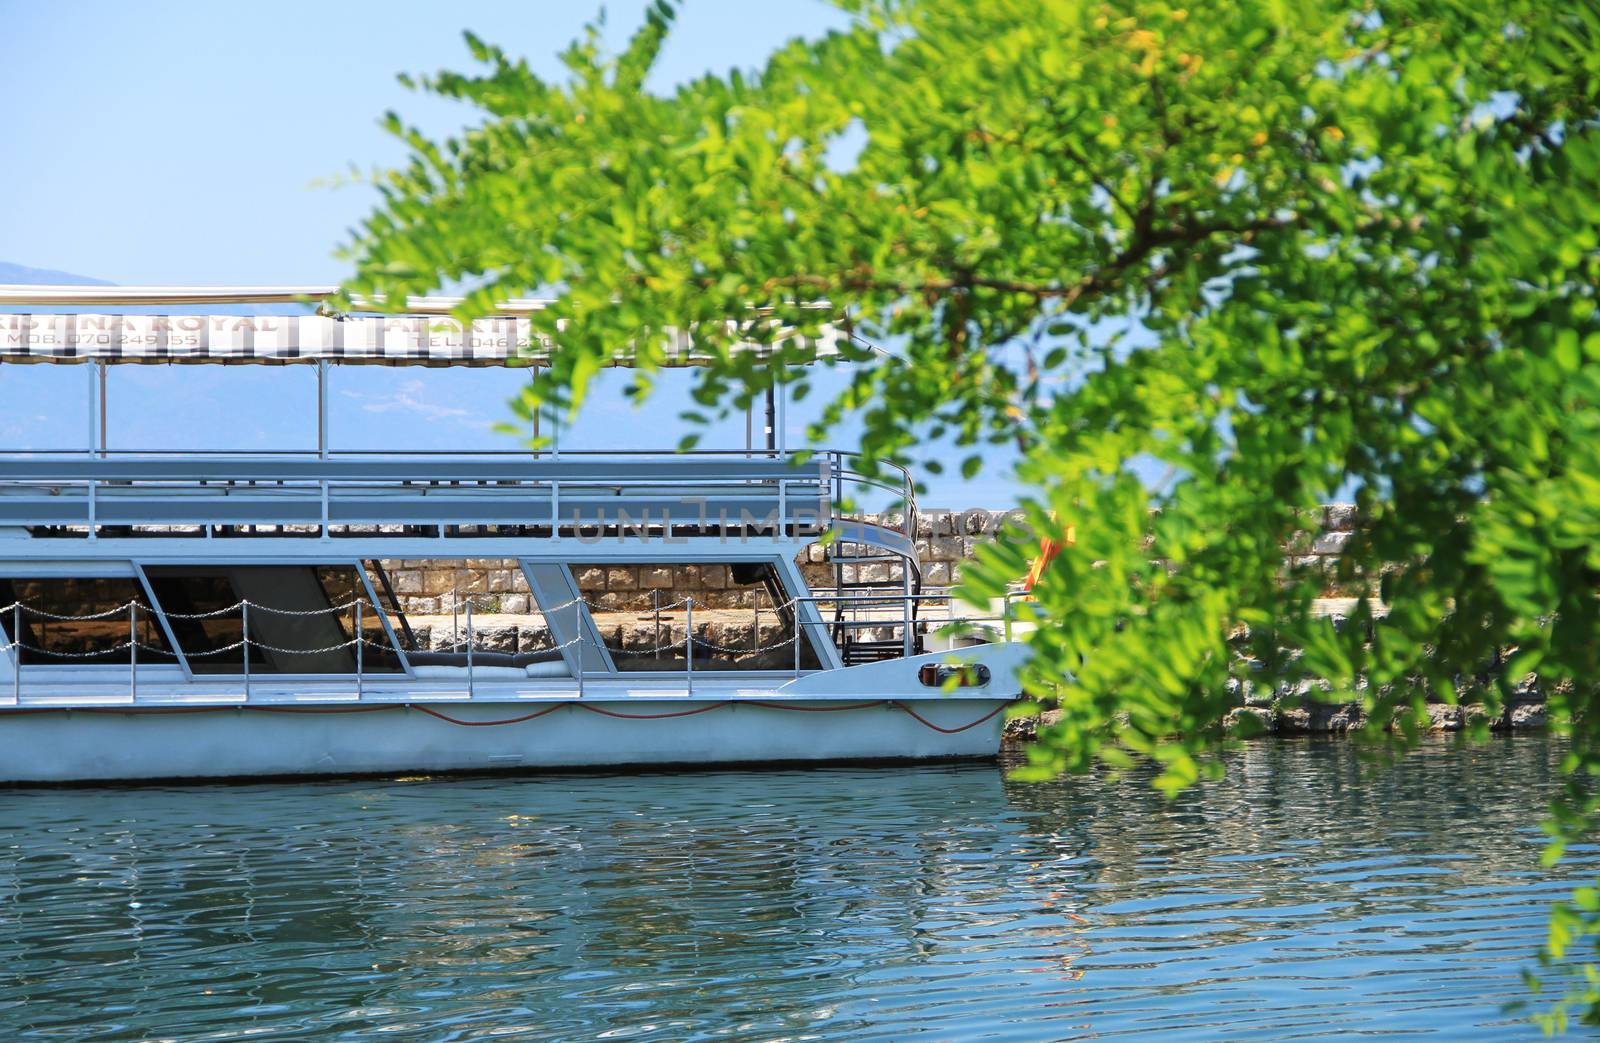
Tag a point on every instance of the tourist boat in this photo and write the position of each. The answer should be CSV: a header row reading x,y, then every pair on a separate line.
x,y
203,615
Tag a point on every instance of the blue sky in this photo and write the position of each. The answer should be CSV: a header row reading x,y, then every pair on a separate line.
x,y
184,143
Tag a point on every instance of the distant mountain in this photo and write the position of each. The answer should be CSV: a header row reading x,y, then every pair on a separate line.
x,y
17,274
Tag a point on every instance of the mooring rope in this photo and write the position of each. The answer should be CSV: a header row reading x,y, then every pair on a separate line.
x,y
545,711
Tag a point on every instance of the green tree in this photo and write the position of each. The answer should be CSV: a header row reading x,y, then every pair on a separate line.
x,y
1358,241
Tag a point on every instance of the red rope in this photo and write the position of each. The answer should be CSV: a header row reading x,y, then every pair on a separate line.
x,y
552,708
654,716
948,731
487,724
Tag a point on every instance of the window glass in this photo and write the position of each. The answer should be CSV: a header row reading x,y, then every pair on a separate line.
x,y
302,618
427,600
81,620
742,616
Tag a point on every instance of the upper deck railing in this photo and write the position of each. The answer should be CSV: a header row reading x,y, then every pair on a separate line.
x,y
569,491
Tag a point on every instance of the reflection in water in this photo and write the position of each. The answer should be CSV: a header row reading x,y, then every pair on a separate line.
x,y
1308,895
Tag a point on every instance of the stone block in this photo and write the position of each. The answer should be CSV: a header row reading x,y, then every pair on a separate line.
x,y
408,581
592,578
875,572
500,581
937,574
515,603
653,577
438,581
1339,517
622,579
973,522
714,577
1330,543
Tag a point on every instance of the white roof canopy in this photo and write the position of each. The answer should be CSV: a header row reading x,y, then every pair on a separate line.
x,y
425,336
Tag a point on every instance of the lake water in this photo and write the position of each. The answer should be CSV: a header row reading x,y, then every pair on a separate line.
x,y
1307,896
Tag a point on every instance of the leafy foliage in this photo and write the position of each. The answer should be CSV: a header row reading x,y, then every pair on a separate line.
x,y
1282,249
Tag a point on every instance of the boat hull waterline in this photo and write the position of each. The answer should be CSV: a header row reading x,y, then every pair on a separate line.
x,y
105,743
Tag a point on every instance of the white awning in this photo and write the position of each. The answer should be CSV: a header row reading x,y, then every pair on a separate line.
x,y
424,338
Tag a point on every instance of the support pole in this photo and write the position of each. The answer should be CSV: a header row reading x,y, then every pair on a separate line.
x,y
471,692
244,636
16,653
94,409
905,606
322,410
105,437
772,419
133,651
688,642
782,440
360,646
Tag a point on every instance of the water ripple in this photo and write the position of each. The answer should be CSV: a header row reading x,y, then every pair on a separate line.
x,y
1306,896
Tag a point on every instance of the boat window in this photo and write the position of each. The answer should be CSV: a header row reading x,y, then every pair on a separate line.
x,y
742,616
74,621
427,600
302,618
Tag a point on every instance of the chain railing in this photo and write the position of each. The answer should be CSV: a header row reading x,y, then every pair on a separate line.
x,y
14,647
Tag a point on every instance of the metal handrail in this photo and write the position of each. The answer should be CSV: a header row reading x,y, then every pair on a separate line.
x,y
839,475
905,488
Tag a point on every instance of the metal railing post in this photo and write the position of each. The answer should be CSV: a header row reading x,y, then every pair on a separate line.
x,y
244,646
16,653
782,528
688,642
471,692
133,651
905,606
361,642
797,637
657,642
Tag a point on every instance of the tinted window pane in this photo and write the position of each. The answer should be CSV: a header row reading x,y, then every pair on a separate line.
x,y
742,619
293,628
427,601
55,632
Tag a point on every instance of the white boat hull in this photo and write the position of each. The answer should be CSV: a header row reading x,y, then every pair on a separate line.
x,y
135,743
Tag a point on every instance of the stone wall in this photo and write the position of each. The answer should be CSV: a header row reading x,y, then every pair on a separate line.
x,y
946,541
